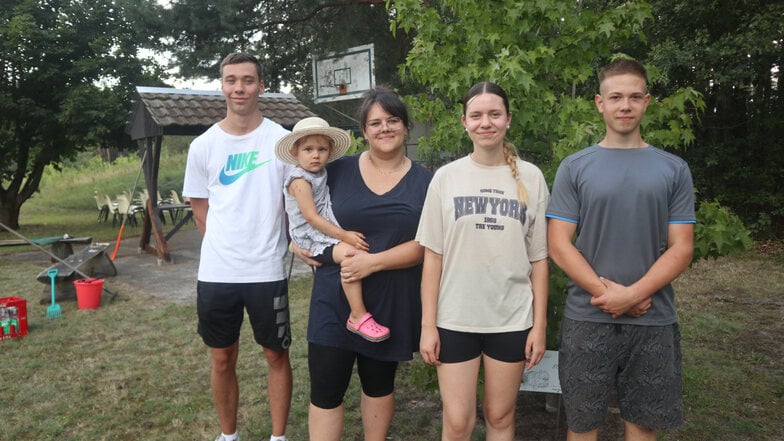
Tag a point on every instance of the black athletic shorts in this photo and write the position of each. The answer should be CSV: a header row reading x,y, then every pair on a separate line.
x,y
457,347
221,308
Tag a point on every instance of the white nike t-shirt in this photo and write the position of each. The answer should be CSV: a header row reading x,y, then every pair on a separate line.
x,y
245,239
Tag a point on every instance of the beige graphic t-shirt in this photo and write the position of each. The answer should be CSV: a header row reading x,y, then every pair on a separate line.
x,y
487,239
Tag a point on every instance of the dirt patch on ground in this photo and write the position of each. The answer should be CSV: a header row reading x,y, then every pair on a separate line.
x,y
769,248
534,421
768,312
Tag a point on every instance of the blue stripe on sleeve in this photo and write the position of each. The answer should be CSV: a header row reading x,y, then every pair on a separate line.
x,y
552,216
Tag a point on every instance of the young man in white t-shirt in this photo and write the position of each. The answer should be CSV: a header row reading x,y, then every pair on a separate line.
x,y
233,180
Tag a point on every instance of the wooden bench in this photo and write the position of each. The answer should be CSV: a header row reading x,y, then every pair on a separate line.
x,y
92,261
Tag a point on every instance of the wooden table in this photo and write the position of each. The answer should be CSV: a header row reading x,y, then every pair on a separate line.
x,y
62,246
152,227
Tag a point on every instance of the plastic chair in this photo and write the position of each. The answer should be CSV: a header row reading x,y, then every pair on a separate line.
x,y
103,207
112,208
144,197
126,210
175,199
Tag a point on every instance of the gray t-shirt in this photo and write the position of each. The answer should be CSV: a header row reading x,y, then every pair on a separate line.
x,y
623,201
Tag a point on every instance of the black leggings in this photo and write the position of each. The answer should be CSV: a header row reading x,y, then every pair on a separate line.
x,y
330,373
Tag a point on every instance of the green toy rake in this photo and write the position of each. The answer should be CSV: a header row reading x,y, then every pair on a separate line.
x,y
53,311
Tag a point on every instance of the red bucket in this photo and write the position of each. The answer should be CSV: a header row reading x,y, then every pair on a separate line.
x,y
88,293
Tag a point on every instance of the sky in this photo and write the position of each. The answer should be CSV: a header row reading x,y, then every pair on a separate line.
x,y
195,84
177,81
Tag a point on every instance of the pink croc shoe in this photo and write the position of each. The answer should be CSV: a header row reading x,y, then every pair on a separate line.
x,y
368,328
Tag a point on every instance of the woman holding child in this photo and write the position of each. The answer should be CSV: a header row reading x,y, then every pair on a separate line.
x,y
378,193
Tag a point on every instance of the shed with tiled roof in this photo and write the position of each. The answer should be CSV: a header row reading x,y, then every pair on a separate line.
x,y
158,112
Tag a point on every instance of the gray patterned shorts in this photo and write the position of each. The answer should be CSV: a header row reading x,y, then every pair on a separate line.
x,y
642,362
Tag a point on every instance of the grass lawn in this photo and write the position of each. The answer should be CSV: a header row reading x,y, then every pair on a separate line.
x,y
135,369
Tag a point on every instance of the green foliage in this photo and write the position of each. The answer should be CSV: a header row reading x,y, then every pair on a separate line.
x,y
423,376
286,34
555,304
669,122
731,53
176,144
718,232
66,81
544,54
357,144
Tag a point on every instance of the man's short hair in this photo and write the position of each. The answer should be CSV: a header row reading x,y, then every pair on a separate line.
x,y
622,66
241,57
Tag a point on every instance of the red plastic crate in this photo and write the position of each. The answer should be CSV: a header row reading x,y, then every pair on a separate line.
x,y
19,328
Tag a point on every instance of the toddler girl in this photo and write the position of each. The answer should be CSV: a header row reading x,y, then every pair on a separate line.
x,y
312,225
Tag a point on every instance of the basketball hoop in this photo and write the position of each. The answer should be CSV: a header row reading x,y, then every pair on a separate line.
x,y
343,75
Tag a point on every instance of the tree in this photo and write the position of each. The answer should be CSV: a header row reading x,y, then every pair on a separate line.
x,y
732,53
285,34
714,69
68,68
544,54
723,53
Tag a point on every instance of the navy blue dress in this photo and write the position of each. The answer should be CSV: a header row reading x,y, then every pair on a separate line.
x,y
391,296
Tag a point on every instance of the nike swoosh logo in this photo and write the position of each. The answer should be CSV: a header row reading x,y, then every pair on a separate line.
x,y
227,179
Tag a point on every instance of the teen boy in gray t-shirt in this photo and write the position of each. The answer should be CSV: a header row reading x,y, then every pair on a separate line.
x,y
631,206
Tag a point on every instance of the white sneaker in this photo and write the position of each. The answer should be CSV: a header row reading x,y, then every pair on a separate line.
x,y
221,438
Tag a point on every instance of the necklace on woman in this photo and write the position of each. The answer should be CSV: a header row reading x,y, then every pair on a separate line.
x,y
387,172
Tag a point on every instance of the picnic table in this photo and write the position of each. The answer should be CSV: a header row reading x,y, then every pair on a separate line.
x,y
175,213
62,246
154,229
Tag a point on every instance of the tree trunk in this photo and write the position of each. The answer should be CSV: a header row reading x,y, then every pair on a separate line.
x,y
22,186
9,211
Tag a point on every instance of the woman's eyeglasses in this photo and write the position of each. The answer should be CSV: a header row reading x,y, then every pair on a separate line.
x,y
392,124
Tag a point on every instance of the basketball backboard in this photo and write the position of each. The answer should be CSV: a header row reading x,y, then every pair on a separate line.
x,y
343,75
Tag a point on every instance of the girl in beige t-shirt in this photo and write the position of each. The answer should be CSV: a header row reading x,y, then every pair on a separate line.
x,y
484,281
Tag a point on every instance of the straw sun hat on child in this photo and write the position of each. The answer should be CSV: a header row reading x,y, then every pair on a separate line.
x,y
312,126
